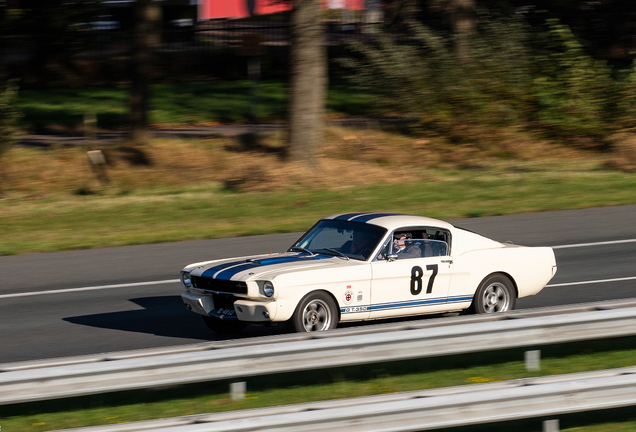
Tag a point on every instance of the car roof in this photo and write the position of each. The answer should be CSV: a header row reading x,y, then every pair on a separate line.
x,y
390,221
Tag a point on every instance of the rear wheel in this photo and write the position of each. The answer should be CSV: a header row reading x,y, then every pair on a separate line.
x,y
224,326
315,312
495,294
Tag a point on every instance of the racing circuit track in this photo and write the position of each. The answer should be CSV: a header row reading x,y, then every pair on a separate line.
x,y
85,302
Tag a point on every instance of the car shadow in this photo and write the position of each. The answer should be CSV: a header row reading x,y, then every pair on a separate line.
x,y
164,316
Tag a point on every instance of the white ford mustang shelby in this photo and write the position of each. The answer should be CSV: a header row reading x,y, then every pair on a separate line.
x,y
360,266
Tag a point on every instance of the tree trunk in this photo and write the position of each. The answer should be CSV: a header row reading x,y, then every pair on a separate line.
x,y
145,39
308,83
463,20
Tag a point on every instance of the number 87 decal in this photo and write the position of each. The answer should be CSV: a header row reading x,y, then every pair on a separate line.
x,y
416,279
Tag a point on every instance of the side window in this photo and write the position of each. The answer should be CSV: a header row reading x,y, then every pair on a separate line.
x,y
415,243
436,242
432,248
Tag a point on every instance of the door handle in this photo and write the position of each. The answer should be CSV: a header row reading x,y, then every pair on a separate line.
x,y
449,261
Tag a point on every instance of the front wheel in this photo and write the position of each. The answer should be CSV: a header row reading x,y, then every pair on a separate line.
x,y
224,326
495,294
315,312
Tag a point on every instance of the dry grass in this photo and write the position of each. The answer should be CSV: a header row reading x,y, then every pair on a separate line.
x,y
623,155
349,158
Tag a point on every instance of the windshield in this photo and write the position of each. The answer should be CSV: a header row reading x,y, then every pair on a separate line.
x,y
352,239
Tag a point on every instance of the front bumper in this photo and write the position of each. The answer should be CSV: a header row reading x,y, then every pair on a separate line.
x,y
243,310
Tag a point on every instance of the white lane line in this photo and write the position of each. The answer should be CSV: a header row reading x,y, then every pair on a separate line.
x,y
594,244
93,288
591,282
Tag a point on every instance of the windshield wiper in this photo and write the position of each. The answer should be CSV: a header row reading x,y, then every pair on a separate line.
x,y
337,252
300,249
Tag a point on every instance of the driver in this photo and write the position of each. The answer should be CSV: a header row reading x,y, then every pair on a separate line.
x,y
404,248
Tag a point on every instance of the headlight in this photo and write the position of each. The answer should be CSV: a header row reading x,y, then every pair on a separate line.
x,y
268,289
185,279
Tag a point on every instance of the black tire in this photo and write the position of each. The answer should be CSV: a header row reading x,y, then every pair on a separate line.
x,y
224,326
495,294
317,311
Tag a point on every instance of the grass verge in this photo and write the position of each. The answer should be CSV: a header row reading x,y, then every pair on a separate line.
x,y
187,103
338,383
117,217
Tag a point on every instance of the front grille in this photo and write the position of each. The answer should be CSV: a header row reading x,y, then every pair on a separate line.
x,y
223,301
219,285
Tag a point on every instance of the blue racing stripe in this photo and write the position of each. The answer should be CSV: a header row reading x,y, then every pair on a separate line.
x,y
229,270
460,299
228,273
286,259
213,270
370,216
347,216
363,216
406,304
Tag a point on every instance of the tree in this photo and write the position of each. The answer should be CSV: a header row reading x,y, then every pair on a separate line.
x,y
462,19
8,122
48,30
145,39
308,83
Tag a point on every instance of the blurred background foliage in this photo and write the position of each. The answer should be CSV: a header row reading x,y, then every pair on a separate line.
x,y
561,69
515,75
8,116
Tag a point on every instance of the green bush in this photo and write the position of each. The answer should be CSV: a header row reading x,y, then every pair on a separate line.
x,y
516,75
626,106
411,77
575,93
420,77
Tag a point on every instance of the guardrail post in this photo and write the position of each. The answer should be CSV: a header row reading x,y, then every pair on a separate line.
x,y
237,390
551,425
533,360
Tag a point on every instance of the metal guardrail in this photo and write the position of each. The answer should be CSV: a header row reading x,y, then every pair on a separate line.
x,y
420,410
324,350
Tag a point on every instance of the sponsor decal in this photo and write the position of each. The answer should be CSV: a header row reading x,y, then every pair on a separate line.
x,y
348,296
355,309
359,295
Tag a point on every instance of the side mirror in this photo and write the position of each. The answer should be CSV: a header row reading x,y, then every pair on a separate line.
x,y
391,257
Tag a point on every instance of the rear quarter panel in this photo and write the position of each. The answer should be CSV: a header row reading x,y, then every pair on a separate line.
x,y
530,268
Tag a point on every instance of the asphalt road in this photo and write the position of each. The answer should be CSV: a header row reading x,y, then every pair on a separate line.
x,y
123,298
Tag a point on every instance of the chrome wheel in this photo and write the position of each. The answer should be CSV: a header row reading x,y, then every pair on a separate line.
x,y
495,294
496,298
316,316
317,311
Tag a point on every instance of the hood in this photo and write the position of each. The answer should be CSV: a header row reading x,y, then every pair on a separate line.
x,y
262,266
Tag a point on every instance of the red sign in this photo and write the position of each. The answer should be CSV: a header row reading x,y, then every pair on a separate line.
x,y
212,9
